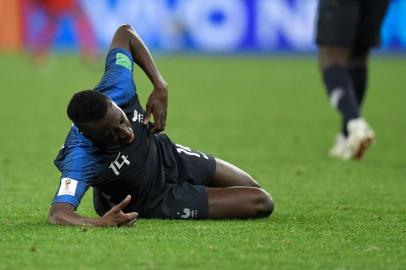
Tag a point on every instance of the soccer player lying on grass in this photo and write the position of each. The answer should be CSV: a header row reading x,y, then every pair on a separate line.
x,y
134,170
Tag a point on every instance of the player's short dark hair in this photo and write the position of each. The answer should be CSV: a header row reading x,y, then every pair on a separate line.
x,y
87,106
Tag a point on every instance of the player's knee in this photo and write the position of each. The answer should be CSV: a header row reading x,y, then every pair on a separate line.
x,y
263,205
252,182
331,56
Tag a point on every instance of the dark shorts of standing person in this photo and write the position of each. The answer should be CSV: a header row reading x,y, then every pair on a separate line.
x,y
350,23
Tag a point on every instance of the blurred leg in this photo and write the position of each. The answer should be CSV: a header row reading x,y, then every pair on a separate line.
x,y
330,56
87,39
43,40
358,68
333,63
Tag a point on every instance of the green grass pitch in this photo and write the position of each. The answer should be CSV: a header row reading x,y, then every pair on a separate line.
x,y
268,115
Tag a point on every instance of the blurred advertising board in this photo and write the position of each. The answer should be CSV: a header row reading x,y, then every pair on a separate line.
x,y
11,28
207,25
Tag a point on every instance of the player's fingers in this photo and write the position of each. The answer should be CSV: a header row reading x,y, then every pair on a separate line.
x,y
124,202
132,215
147,114
161,120
130,219
156,129
158,123
151,126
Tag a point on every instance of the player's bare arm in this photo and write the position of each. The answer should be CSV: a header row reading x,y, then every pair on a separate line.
x,y
126,38
63,214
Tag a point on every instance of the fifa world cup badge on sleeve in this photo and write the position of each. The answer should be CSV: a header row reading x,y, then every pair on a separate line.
x,y
67,187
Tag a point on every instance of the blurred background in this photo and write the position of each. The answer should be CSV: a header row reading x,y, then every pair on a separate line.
x,y
214,26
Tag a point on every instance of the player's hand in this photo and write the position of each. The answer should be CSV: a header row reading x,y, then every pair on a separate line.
x,y
117,217
157,105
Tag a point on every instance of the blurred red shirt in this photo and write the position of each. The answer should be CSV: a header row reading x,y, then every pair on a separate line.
x,y
57,6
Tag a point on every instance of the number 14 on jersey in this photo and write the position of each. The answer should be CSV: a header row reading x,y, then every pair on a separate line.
x,y
116,165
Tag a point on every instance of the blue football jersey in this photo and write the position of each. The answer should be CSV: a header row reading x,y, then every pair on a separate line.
x,y
78,160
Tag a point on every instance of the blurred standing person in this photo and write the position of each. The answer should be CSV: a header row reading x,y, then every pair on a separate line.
x,y
346,32
54,10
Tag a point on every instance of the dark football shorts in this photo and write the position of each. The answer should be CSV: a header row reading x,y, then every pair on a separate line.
x,y
350,23
180,190
188,172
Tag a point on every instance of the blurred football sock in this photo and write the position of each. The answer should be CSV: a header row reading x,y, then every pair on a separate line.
x,y
359,77
341,93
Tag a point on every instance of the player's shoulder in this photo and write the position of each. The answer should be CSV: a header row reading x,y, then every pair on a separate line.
x,y
117,81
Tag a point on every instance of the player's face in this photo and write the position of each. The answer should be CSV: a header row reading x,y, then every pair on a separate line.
x,y
114,128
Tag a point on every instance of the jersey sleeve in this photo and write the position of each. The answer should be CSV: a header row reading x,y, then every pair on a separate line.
x,y
78,163
117,81
70,191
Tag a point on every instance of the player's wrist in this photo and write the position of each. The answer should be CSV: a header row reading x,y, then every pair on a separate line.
x,y
101,222
160,84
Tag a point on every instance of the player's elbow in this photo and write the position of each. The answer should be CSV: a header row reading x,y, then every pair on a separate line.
x,y
124,29
58,213
53,218
57,218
